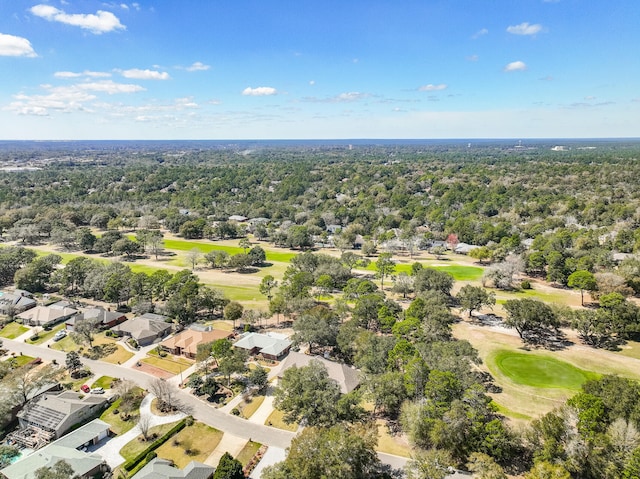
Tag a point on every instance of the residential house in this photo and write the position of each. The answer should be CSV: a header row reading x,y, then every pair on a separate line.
x,y
105,319
464,248
186,342
163,469
58,412
47,316
238,218
16,302
347,377
270,345
145,329
70,448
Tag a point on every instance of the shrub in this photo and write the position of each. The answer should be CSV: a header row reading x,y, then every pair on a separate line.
x,y
235,411
151,456
132,463
525,284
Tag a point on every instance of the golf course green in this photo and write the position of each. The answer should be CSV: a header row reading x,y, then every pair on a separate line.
x,y
539,370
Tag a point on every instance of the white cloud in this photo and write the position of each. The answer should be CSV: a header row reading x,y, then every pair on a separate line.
x,y
197,67
63,99
12,46
480,33
346,97
100,22
312,82
431,87
85,73
110,87
138,74
349,97
525,29
516,66
186,102
472,58
259,91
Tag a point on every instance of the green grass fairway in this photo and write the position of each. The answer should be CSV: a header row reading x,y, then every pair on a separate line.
x,y
462,273
186,245
459,272
539,371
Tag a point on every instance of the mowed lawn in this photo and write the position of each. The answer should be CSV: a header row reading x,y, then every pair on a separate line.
x,y
172,364
193,443
458,271
135,447
44,336
13,330
538,370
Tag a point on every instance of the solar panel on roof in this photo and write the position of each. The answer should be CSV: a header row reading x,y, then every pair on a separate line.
x,y
44,417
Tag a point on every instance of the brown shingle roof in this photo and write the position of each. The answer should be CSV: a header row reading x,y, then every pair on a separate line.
x,y
189,339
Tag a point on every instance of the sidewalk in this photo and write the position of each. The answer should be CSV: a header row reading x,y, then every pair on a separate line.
x,y
137,355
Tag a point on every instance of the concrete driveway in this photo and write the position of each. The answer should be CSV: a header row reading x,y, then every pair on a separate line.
x,y
110,450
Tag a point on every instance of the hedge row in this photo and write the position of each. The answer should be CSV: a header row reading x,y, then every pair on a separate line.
x,y
130,464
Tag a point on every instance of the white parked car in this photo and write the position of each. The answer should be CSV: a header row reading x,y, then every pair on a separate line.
x,y
59,335
97,391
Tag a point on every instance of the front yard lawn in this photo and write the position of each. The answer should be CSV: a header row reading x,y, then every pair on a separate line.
x,y
172,364
103,382
20,361
66,344
119,356
275,420
45,335
247,409
390,444
136,446
13,330
114,352
193,443
248,451
115,421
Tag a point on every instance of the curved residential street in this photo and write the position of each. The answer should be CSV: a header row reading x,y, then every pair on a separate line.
x,y
200,410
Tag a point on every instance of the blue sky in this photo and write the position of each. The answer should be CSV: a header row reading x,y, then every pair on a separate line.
x,y
204,69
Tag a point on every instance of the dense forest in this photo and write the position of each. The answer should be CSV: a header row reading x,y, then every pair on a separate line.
x,y
567,215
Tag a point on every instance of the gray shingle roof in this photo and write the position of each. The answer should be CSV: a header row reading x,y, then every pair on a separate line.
x,y
273,345
162,469
65,448
144,327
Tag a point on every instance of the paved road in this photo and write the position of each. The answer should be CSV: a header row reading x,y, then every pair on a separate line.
x,y
199,409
